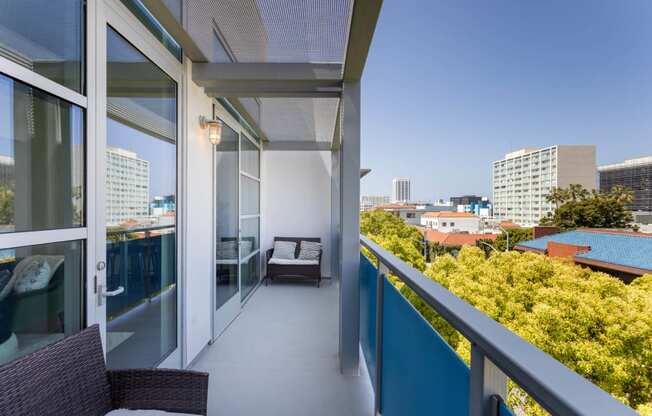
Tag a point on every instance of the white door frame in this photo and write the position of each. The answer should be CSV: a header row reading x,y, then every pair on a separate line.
x,y
100,15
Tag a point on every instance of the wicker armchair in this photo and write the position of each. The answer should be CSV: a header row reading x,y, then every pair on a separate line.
x,y
69,377
285,270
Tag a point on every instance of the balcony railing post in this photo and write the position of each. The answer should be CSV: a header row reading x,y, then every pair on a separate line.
x,y
487,381
380,276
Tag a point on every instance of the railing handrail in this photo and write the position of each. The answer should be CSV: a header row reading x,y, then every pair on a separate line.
x,y
554,386
140,230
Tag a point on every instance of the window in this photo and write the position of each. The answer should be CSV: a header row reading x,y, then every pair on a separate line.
x,y
46,37
41,160
452,224
40,296
443,224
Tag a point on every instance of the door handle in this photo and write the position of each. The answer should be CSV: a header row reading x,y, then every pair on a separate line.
x,y
101,293
108,293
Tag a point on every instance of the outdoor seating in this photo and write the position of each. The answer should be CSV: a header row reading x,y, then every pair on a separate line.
x,y
294,266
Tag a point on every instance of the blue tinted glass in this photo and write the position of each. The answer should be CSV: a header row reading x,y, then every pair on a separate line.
x,y
420,370
368,285
149,21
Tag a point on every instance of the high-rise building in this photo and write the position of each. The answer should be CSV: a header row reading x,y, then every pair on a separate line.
x,y
127,186
523,179
400,190
368,202
633,174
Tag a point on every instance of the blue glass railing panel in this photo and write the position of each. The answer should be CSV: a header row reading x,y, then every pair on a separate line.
x,y
421,374
143,266
368,273
503,410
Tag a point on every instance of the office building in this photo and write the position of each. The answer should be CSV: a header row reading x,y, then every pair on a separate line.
x,y
633,174
401,190
522,180
127,186
368,202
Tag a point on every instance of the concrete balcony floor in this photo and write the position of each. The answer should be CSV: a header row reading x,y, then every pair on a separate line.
x,y
279,357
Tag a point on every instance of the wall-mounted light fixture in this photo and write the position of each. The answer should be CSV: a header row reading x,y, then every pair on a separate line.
x,y
214,129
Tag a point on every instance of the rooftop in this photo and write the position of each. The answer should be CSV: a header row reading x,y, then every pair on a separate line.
x,y
450,214
615,247
455,239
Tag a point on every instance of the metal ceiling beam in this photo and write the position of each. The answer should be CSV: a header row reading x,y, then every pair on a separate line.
x,y
165,17
212,74
284,89
290,145
363,24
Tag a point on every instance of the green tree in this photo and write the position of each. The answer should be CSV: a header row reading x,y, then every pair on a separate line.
x,y
516,235
578,207
394,234
6,205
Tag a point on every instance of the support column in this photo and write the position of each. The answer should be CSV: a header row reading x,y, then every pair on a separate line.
x,y
350,229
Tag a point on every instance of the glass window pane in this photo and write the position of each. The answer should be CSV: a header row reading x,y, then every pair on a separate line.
x,y
46,37
141,175
40,296
250,236
226,194
250,162
152,24
250,274
41,160
249,196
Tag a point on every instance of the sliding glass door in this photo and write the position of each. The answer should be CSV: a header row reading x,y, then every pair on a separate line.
x,y
237,223
140,197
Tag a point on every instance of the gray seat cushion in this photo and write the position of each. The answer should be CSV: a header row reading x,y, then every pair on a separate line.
x,y
127,412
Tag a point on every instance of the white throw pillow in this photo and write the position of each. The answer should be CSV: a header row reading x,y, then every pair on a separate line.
x,y
35,276
309,250
284,250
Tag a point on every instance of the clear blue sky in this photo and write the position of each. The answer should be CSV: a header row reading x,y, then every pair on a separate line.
x,y
452,85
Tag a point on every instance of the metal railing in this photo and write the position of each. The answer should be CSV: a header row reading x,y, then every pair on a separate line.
x,y
496,353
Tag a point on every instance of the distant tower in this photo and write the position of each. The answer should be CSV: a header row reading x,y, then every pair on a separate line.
x,y
401,190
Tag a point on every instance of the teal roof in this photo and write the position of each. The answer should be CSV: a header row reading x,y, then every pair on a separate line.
x,y
621,249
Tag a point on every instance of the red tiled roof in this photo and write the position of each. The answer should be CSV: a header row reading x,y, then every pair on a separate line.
x,y
509,224
449,214
456,239
395,206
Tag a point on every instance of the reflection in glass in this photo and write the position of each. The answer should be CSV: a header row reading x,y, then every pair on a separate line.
x,y
250,271
226,193
250,236
41,160
40,296
249,196
148,20
250,162
46,37
140,208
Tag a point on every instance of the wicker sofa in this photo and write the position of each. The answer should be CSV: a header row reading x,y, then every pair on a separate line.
x,y
294,270
69,377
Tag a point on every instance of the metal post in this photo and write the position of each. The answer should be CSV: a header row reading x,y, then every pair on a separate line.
x,y
487,381
380,296
350,231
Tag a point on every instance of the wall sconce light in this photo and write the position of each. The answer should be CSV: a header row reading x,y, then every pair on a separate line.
x,y
214,129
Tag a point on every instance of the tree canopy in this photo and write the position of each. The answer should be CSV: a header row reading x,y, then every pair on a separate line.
x,y
579,207
589,321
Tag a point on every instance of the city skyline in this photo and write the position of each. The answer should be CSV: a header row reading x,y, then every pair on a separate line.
x,y
496,77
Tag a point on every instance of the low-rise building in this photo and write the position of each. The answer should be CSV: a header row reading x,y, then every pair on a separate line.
x,y
623,254
411,213
452,222
455,239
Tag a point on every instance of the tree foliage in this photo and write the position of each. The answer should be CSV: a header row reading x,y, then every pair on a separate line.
x,y
516,235
590,321
578,207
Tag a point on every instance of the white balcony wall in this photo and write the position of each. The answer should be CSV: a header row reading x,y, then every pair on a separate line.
x,y
296,198
198,240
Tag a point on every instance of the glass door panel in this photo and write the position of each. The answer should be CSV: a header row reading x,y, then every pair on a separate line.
x,y
226,192
141,181
249,216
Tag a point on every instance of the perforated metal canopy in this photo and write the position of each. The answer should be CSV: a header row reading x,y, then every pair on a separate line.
x,y
277,31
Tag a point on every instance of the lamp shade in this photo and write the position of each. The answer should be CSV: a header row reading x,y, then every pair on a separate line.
x,y
215,132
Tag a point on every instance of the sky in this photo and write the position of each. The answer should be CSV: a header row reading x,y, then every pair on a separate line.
x,y
452,85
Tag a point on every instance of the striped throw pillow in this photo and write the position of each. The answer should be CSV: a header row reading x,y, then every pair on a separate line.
x,y
309,250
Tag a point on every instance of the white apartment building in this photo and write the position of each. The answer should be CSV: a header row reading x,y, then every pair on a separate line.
x,y
401,190
452,222
368,202
127,186
522,180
